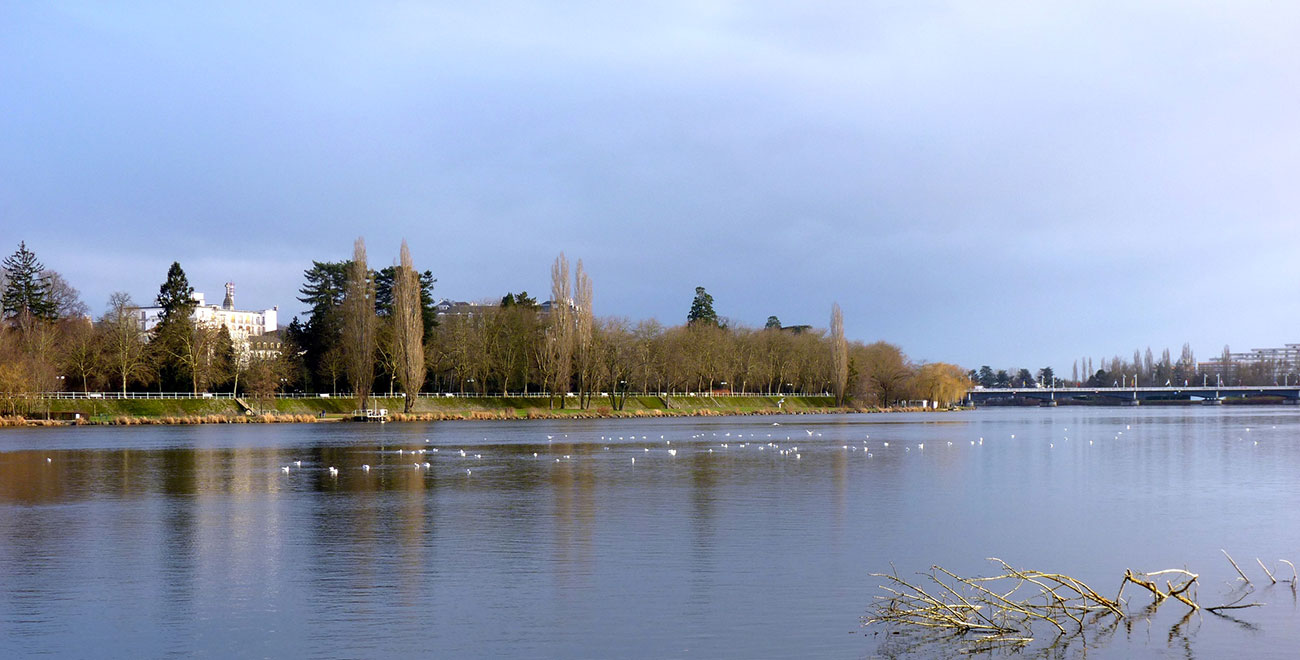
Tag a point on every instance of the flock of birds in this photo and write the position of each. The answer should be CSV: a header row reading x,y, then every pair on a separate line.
x,y
778,445
726,442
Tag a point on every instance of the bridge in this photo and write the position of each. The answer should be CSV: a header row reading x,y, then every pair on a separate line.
x,y
1130,396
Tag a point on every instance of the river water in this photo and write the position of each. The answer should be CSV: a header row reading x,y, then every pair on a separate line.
x,y
194,541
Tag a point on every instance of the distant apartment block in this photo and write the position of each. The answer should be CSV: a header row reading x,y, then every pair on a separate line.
x,y
1281,360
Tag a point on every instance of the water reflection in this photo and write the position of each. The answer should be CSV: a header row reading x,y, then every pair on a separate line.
x,y
196,540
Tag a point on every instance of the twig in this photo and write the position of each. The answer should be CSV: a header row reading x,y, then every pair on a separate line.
x,y
1234,605
1293,573
1266,571
1234,565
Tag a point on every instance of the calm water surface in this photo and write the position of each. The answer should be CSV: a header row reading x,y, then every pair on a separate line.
x,y
193,541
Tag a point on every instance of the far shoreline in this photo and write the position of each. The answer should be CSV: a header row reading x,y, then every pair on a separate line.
x,y
444,416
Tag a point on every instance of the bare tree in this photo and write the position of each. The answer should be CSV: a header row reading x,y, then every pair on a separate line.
x,y
408,328
359,326
839,354
584,324
125,351
80,357
885,372
65,299
557,360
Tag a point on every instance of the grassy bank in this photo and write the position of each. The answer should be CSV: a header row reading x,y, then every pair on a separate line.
x,y
205,411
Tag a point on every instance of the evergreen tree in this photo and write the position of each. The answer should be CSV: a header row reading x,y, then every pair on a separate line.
x,y
384,280
321,335
773,323
175,296
174,331
26,293
702,309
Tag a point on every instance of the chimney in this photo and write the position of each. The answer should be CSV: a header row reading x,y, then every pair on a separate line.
x,y
229,302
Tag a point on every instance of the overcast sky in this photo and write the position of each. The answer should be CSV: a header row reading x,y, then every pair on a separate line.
x,y
1015,184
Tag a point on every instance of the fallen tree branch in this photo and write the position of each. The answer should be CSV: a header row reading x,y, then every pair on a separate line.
x,y
1234,565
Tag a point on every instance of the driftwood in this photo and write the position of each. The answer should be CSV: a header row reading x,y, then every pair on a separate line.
x,y
1007,608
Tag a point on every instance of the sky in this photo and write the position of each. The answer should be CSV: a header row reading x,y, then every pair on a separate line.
x,y
1017,184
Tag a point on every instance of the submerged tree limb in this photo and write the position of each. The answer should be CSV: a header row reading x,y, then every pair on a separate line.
x,y
1007,607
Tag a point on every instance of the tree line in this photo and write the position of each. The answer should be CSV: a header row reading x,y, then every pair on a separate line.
x,y
368,331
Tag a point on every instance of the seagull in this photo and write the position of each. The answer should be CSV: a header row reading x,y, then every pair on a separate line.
x,y
334,472
297,463
285,469
672,452
415,465
426,466
48,459
363,467
809,433
467,473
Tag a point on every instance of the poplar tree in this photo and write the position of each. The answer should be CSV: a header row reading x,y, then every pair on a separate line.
x,y
359,323
557,353
839,354
584,327
408,328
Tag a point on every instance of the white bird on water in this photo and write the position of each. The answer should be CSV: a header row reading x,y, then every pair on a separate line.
x,y
672,452
426,466
285,469
365,468
297,463
809,433
334,472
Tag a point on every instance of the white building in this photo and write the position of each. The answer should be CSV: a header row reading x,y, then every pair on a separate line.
x,y
241,324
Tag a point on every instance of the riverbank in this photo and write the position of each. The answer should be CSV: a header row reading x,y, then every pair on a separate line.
x,y
127,412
